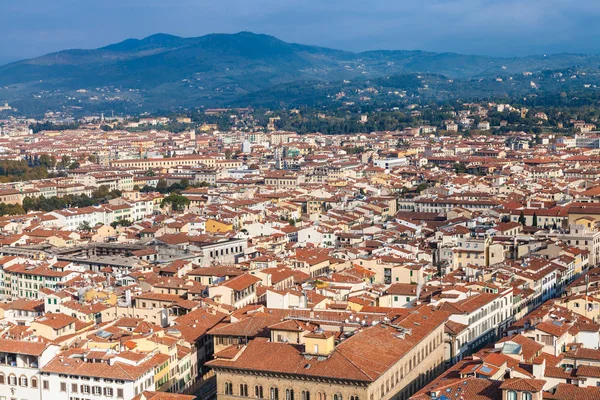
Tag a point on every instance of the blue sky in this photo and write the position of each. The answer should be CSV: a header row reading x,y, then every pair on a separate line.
x,y
492,27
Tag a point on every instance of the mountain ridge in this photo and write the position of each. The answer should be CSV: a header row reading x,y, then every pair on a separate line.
x,y
162,38
216,69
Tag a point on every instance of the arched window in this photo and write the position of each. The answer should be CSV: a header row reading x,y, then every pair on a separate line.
x,y
258,392
511,395
337,396
243,390
12,380
321,396
274,393
2,381
34,383
353,397
305,395
228,388
23,381
527,396
289,394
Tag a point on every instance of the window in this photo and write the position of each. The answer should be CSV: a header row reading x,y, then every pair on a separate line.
x,y
120,393
321,396
353,397
85,389
274,393
97,390
258,392
63,386
337,396
23,381
511,395
243,390
12,380
289,394
228,388
527,396
34,383
2,382
108,392
305,395
74,387
45,385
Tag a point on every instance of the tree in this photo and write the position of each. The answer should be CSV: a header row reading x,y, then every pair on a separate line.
x,y
162,186
47,161
11,209
150,172
102,192
65,161
535,220
120,222
421,187
85,226
460,168
176,201
28,204
522,218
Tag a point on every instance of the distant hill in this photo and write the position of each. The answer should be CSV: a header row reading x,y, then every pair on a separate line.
x,y
164,71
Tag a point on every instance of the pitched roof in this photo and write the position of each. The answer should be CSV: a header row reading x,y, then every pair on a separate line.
x,y
527,385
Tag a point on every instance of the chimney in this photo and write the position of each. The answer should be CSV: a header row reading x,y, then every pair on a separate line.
x,y
539,368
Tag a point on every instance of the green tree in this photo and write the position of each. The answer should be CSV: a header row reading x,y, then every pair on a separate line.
x,y
65,161
121,222
421,187
47,161
522,218
102,192
176,201
535,220
11,209
29,204
162,186
460,168
85,226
